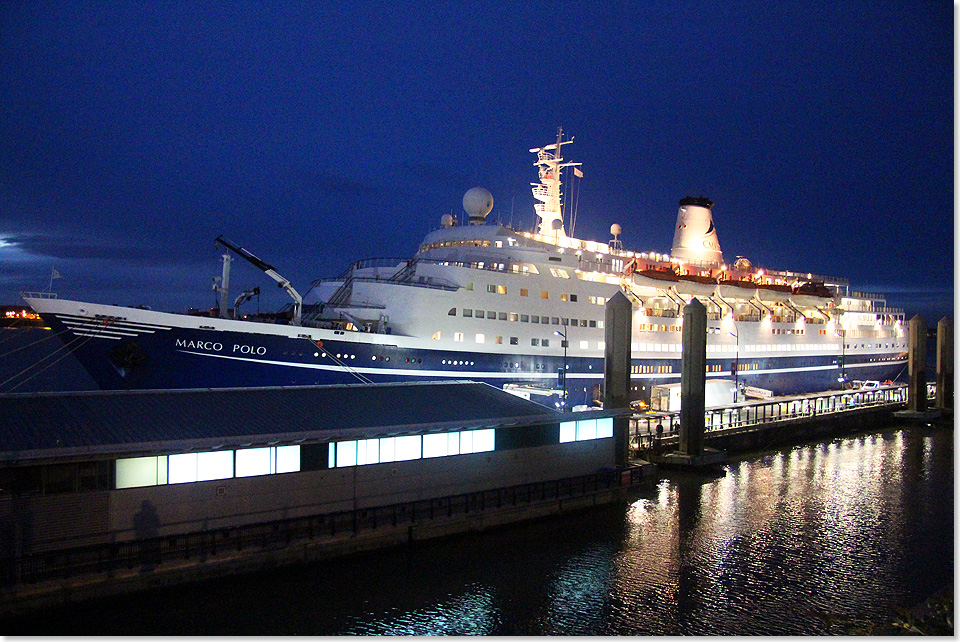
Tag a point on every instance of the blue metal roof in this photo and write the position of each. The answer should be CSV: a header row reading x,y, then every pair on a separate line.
x,y
45,425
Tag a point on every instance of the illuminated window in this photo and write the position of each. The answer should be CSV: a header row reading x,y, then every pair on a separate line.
x,y
480,338
346,453
136,472
458,336
253,461
586,429
182,468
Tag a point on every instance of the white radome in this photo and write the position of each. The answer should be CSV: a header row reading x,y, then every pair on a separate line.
x,y
477,202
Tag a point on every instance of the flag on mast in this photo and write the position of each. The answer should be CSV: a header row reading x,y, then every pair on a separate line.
x,y
53,275
577,172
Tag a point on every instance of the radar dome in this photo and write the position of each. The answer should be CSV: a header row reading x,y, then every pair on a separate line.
x,y
446,220
477,203
615,229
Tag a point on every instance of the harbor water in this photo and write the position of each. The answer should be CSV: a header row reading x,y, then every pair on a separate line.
x,y
813,539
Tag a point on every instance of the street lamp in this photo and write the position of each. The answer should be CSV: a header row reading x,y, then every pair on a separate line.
x,y
842,335
736,367
563,376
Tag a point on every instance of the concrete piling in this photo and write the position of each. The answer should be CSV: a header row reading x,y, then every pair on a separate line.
x,y
692,454
945,364
917,365
618,330
693,378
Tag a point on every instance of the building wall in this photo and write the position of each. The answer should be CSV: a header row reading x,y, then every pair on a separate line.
x,y
181,508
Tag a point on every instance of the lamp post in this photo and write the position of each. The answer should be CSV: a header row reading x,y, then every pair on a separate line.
x,y
564,374
736,366
842,335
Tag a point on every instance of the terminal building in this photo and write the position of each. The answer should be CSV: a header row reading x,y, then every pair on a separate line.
x,y
92,469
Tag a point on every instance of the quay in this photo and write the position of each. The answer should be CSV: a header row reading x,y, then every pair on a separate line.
x,y
755,425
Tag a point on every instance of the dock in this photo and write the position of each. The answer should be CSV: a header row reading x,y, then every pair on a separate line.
x,y
755,425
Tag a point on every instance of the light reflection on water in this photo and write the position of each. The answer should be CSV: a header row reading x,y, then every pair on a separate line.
x,y
775,546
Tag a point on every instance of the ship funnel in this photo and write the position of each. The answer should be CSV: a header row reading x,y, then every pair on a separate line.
x,y
695,238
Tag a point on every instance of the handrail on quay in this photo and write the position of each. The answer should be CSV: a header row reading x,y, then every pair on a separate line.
x,y
749,414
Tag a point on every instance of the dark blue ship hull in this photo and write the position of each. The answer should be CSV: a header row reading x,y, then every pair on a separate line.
x,y
173,358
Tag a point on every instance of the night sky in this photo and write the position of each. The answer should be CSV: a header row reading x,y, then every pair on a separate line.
x,y
318,133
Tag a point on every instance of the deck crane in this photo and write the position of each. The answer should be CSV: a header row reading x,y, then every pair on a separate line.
x,y
269,271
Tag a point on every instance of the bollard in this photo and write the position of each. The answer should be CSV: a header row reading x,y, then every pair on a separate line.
x,y
693,378
945,364
618,328
917,362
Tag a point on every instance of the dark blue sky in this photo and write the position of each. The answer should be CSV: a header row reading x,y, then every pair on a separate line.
x,y
317,133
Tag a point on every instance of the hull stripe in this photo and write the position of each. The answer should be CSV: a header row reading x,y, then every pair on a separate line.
x,y
507,375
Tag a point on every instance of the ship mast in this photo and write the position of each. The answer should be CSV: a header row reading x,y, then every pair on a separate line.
x,y
547,191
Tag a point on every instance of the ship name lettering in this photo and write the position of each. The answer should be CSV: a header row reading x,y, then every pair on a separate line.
x,y
212,346
243,349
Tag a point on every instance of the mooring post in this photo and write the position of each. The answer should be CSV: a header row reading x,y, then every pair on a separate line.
x,y
945,364
917,365
617,331
693,378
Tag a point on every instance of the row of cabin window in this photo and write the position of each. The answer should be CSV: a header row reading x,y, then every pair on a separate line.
x,y
498,340
525,318
535,341
572,298
788,331
651,369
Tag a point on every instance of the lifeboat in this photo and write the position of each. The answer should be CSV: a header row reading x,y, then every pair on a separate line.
x,y
813,294
661,275
733,289
654,278
780,293
696,285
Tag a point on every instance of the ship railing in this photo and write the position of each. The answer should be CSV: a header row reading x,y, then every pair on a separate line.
x,y
38,295
745,416
418,282
381,262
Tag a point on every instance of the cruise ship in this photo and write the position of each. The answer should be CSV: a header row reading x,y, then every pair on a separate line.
x,y
519,309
